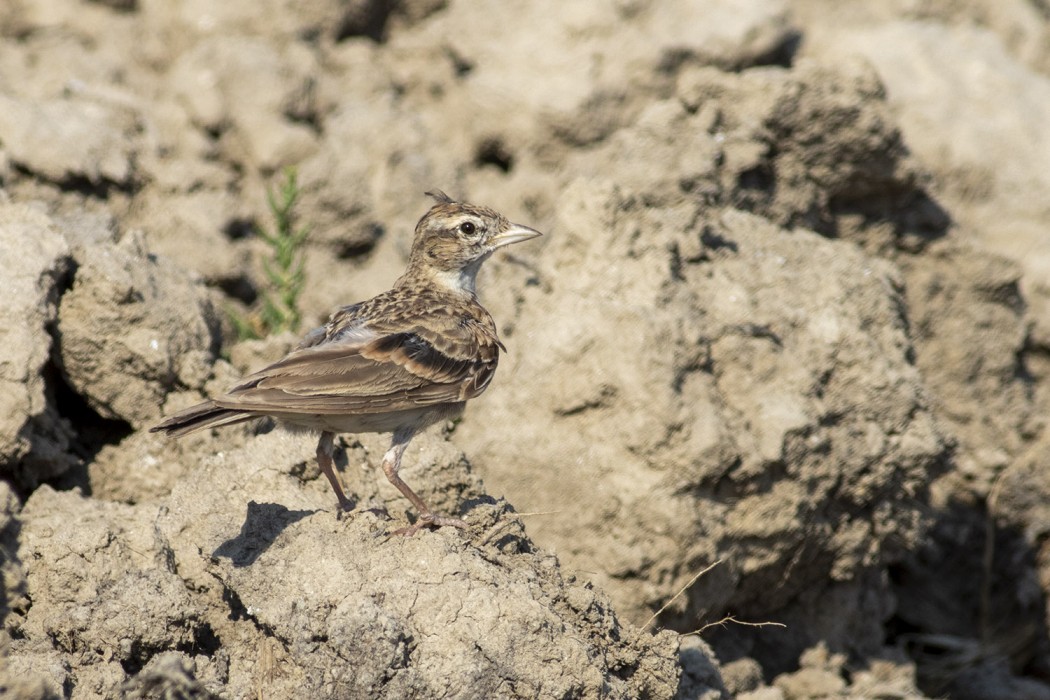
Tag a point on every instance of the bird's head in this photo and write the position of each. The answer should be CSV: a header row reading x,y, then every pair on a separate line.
x,y
454,238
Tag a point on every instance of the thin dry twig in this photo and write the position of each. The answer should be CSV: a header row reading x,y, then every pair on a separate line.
x,y
679,593
730,618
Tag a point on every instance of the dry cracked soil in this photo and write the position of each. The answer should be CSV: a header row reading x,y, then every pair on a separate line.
x,y
772,423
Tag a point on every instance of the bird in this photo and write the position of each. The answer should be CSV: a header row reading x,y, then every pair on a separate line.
x,y
396,363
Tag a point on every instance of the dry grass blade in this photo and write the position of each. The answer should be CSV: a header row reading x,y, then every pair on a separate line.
x,y
682,590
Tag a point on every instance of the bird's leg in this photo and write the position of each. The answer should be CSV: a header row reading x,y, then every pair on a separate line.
x,y
325,462
391,465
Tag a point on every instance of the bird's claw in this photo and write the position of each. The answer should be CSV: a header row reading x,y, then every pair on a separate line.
x,y
344,508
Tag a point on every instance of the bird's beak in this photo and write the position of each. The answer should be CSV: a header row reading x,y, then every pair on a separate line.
x,y
515,234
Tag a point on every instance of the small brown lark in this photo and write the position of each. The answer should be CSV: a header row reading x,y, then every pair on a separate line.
x,y
396,363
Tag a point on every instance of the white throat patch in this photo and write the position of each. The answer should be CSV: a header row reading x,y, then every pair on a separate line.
x,y
462,280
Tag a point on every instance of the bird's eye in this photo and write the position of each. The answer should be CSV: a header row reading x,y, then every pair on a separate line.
x,y
467,227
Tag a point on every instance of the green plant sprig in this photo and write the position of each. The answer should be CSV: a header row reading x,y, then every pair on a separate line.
x,y
278,307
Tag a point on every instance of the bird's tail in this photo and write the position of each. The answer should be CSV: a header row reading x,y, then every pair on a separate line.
x,y
203,415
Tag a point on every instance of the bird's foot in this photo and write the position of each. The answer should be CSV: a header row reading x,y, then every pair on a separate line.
x,y
432,521
343,510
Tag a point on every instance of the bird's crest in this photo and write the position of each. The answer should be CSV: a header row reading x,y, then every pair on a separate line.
x,y
440,197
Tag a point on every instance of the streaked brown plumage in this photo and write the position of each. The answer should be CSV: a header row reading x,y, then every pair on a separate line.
x,y
396,363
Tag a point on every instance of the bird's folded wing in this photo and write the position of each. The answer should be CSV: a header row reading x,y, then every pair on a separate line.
x,y
371,373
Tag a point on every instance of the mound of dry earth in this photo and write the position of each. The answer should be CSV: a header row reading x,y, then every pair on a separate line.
x,y
790,319
285,600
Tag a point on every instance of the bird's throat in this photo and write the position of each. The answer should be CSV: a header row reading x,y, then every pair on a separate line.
x,y
460,281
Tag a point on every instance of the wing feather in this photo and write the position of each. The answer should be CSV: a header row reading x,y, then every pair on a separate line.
x,y
369,372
